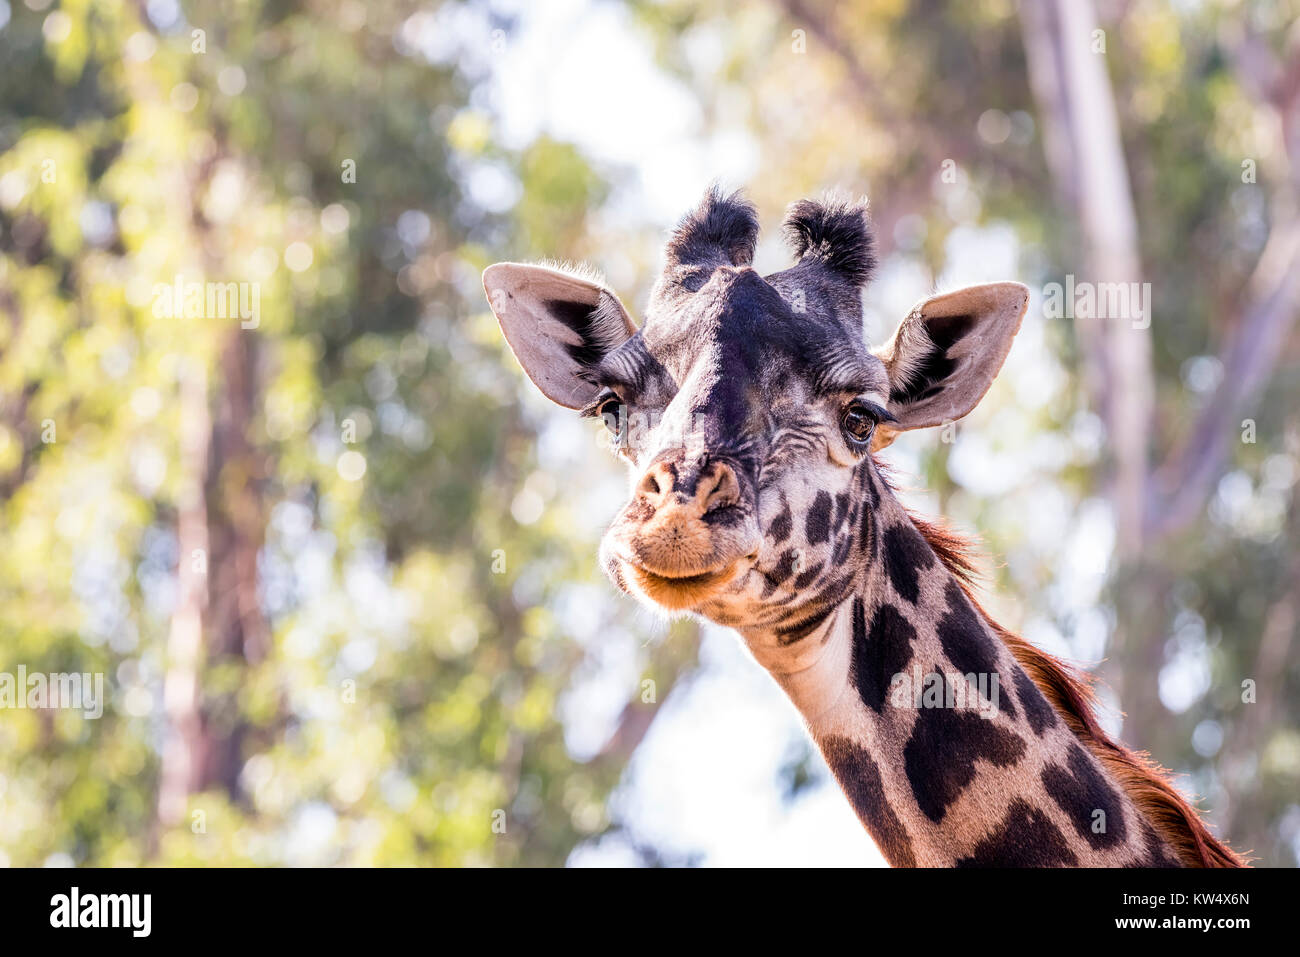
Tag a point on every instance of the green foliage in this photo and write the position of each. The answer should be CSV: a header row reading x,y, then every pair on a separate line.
x,y
404,709
393,690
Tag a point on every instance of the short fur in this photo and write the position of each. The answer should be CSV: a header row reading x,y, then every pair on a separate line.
x,y
721,230
1069,691
835,233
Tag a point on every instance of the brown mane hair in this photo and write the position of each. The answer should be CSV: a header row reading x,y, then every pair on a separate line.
x,y
1070,692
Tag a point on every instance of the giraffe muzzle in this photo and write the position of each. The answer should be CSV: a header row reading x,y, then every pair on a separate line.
x,y
687,532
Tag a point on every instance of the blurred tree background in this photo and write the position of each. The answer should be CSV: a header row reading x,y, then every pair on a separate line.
x,y
337,562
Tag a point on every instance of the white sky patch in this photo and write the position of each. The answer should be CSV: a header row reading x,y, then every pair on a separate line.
x,y
705,780
583,73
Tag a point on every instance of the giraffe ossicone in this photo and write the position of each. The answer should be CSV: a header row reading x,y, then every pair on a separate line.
x,y
748,409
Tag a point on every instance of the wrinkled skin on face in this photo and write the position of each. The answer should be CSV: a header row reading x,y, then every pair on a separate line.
x,y
747,406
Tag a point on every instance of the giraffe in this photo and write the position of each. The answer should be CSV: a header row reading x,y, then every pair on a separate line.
x,y
749,411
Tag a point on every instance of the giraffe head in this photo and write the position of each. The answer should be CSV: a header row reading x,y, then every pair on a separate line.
x,y
747,407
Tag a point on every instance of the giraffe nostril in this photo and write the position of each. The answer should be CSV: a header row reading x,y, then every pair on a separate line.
x,y
650,485
724,489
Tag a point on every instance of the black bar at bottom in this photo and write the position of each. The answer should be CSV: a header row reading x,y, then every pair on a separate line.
x,y
302,907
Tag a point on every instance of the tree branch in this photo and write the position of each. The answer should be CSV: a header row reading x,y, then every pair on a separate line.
x,y
1249,358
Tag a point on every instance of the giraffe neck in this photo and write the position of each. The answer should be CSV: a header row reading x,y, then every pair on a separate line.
x,y
947,750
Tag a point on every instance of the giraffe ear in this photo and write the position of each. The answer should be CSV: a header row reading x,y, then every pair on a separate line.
x,y
944,355
558,325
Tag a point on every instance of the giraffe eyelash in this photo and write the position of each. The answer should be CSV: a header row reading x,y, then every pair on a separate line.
x,y
878,412
592,409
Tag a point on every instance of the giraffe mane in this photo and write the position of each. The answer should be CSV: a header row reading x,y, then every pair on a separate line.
x,y
1070,692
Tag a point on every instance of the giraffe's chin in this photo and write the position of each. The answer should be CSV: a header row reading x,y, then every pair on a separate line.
x,y
679,593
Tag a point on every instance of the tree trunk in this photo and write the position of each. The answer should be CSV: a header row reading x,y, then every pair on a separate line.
x,y
183,746
237,631
218,620
1086,156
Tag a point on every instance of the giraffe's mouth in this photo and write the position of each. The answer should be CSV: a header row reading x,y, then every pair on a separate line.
x,y
678,562
679,591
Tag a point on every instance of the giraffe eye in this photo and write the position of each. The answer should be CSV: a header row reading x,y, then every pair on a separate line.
x,y
610,409
858,423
